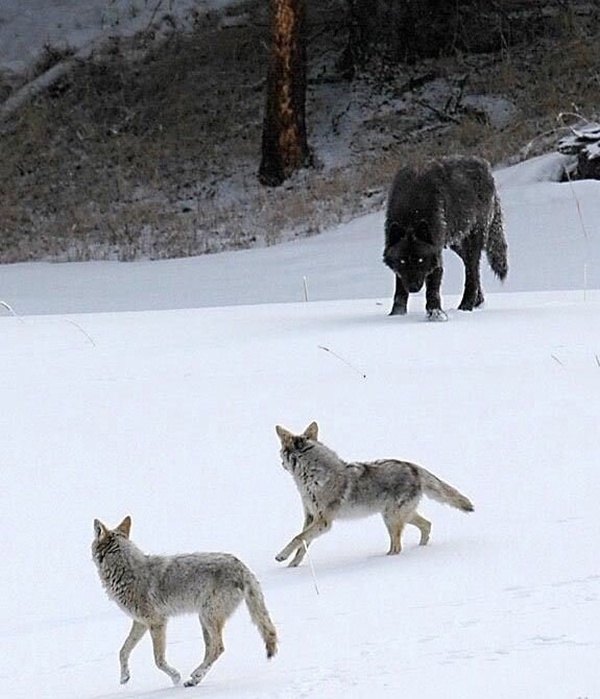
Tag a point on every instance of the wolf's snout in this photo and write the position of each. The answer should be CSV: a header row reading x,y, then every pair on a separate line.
x,y
413,285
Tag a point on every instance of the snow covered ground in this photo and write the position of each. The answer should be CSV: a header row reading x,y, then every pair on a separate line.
x,y
27,27
168,415
552,230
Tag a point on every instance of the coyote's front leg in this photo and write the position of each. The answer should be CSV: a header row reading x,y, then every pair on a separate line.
x,y
301,550
300,543
133,638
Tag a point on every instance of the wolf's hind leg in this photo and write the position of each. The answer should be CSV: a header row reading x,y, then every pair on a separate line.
x,y
212,631
158,631
469,250
301,542
423,525
133,638
395,525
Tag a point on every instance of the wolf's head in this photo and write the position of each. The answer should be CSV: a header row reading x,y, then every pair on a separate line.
x,y
106,539
410,254
294,443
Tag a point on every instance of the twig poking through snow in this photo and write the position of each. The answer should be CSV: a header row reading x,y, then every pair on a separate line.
x,y
305,285
597,360
586,238
81,330
346,362
556,359
578,205
312,570
10,310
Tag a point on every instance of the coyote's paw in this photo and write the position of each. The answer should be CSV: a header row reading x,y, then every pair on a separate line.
x,y
280,556
176,678
125,677
196,677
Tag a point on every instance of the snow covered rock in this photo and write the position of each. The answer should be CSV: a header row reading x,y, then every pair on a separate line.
x,y
584,142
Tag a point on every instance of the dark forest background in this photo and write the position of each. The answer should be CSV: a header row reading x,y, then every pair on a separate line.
x,y
152,146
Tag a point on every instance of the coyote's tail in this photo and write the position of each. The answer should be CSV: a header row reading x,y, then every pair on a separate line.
x,y
259,613
496,247
436,489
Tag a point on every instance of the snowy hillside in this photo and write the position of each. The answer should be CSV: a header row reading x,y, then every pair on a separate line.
x,y
169,416
551,227
28,27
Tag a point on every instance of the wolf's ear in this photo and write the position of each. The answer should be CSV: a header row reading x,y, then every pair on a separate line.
x,y
99,530
125,527
285,436
395,232
312,432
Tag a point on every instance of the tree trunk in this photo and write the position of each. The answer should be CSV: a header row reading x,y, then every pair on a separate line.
x,y
284,143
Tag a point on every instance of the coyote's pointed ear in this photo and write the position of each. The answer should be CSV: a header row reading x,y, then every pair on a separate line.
x,y
100,530
285,436
125,527
312,431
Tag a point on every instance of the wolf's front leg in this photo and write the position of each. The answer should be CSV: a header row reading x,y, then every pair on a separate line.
x,y
400,299
135,634
433,300
301,542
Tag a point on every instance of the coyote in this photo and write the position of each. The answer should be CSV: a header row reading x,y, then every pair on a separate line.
x,y
331,488
152,588
451,202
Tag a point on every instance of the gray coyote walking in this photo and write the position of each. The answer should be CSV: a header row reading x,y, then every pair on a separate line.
x,y
150,589
331,488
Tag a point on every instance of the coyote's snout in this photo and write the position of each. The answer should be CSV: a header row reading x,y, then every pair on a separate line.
x,y
150,589
331,488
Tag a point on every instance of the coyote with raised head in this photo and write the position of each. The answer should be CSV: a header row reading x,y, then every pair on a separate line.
x,y
150,589
331,488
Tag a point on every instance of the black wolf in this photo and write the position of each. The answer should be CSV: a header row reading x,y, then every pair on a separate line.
x,y
451,202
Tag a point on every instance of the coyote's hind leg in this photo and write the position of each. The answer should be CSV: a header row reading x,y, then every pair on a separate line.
x,y
423,525
395,525
212,631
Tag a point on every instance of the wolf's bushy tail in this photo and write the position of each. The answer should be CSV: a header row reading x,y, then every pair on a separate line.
x,y
436,489
496,247
259,612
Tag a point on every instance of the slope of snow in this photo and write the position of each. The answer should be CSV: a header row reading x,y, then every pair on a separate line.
x,y
551,228
169,416
28,26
